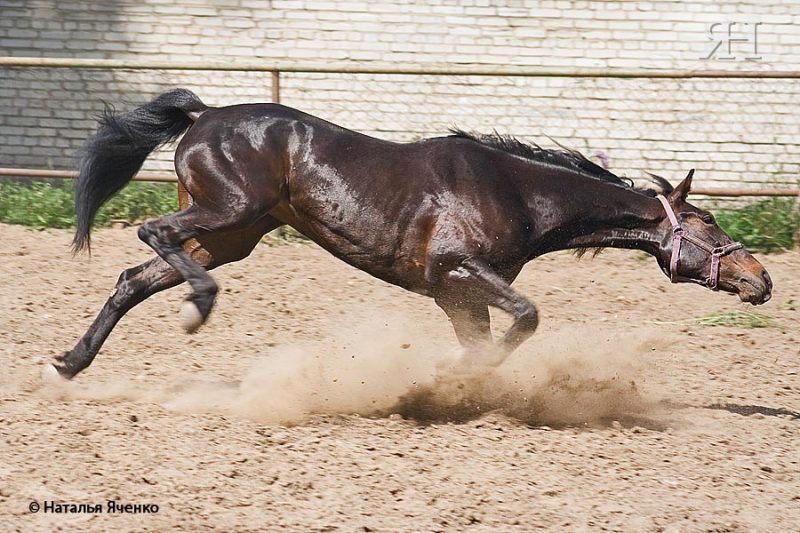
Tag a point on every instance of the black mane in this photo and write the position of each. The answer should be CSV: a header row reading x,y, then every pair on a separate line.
x,y
565,157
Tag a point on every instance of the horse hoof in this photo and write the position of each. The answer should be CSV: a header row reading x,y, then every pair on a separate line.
x,y
191,318
50,374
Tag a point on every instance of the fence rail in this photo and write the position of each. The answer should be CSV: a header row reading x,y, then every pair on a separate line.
x,y
404,68
276,68
69,175
166,177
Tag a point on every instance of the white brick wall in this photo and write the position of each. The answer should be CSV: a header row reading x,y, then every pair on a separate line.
x,y
736,132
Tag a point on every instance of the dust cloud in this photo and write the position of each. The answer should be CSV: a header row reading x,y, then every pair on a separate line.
x,y
570,376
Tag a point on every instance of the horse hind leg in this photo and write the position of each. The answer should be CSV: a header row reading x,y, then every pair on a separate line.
x,y
133,287
229,203
215,249
167,235
140,282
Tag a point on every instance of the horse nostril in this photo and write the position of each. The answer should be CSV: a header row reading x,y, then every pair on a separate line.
x,y
767,279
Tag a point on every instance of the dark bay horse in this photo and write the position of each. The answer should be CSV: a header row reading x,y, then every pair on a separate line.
x,y
454,217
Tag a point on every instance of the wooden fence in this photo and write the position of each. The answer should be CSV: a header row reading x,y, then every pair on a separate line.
x,y
408,69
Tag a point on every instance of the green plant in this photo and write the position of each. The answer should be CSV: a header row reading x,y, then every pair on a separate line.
x,y
140,201
740,319
49,205
765,226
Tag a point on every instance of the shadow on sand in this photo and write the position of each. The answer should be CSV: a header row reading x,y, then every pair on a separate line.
x,y
561,402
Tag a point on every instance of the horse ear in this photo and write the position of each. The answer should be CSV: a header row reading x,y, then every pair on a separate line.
x,y
683,188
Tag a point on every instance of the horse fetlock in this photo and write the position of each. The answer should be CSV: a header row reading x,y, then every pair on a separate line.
x,y
65,367
209,288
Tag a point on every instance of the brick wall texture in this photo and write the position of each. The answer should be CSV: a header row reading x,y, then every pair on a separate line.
x,y
736,132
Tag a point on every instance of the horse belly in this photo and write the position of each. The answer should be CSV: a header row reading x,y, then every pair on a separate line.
x,y
362,239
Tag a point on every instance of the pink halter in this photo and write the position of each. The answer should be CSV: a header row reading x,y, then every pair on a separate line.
x,y
678,235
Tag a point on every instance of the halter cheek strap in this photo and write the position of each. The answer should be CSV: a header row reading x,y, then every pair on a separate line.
x,y
678,236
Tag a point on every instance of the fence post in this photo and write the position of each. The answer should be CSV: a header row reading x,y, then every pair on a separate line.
x,y
276,86
276,99
797,221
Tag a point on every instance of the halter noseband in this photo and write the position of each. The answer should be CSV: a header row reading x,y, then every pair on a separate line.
x,y
678,235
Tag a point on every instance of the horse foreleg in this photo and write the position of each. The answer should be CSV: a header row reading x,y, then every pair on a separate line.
x,y
476,280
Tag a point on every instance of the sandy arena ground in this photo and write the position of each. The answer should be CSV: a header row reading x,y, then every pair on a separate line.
x,y
311,402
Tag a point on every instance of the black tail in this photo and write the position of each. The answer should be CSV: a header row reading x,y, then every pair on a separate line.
x,y
117,151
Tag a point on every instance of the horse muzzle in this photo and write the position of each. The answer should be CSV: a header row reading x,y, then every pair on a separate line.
x,y
755,288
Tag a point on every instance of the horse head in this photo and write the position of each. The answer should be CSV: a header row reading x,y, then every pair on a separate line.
x,y
695,249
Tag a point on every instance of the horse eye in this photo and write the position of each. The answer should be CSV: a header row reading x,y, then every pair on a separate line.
x,y
708,218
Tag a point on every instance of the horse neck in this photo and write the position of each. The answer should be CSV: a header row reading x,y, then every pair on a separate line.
x,y
599,214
